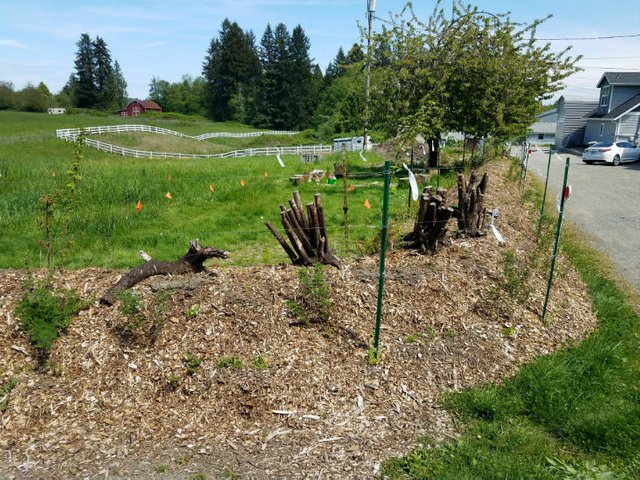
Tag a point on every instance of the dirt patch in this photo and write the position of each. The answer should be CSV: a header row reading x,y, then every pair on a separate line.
x,y
107,407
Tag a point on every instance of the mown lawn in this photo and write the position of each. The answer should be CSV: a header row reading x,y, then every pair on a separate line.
x,y
107,231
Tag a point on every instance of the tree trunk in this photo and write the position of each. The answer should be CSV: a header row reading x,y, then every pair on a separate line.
x,y
192,261
307,234
430,228
470,211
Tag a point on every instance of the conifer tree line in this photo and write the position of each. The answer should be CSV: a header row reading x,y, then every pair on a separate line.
x,y
98,81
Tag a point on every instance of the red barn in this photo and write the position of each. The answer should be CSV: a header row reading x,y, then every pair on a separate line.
x,y
138,107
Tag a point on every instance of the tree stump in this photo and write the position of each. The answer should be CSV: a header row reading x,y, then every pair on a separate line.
x,y
430,227
470,211
192,261
307,234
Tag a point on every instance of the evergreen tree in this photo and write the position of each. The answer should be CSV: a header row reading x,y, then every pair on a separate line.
x,y
355,55
281,71
84,86
117,88
301,99
103,75
337,67
231,70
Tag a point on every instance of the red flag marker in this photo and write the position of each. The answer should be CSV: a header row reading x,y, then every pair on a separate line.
x,y
352,188
139,206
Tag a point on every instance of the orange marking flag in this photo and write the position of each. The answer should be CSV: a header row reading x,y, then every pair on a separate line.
x,y
211,187
139,206
266,174
168,195
367,204
242,184
352,188
169,178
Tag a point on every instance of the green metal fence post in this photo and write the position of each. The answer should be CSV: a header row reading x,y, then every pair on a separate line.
x,y
555,244
383,251
544,195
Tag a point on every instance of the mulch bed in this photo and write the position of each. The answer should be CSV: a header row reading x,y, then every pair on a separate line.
x,y
105,406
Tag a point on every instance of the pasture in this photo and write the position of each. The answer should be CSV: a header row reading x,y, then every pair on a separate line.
x,y
106,229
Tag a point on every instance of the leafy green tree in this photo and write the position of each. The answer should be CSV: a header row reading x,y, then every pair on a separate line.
x,y
184,96
472,71
33,99
7,95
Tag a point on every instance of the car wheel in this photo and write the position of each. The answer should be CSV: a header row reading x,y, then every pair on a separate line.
x,y
616,160
588,162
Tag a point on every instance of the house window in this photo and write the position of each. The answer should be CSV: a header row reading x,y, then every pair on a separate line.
x,y
601,129
135,111
604,97
541,136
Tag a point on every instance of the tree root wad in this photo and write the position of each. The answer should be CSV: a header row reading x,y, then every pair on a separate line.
x,y
191,262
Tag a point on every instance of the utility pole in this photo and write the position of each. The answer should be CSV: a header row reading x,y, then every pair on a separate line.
x,y
371,9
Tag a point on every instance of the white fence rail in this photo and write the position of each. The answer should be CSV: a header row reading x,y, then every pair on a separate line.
x,y
70,134
248,152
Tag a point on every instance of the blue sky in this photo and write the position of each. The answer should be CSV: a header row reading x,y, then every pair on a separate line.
x,y
169,38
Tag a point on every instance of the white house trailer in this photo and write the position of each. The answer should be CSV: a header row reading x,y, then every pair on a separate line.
x,y
353,144
56,111
572,120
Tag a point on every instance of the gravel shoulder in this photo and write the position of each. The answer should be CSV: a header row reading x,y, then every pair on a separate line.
x,y
605,203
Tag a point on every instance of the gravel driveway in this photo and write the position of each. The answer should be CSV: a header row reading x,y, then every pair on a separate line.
x,y
605,203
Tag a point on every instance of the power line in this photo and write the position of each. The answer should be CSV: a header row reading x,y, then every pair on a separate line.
x,y
607,37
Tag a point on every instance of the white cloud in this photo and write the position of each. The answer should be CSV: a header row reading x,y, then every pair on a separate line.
x,y
14,44
154,44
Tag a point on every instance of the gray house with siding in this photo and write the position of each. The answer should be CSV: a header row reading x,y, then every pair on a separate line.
x,y
617,115
572,120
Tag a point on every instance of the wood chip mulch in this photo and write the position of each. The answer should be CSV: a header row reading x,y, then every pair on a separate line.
x,y
104,406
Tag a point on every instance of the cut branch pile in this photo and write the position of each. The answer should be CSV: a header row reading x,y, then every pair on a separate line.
x,y
430,228
307,234
470,211
192,261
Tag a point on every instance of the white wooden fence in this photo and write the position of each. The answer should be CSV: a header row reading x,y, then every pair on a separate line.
x,y
248,152
70,135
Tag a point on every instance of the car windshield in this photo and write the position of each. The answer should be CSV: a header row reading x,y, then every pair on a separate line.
x,y
602,144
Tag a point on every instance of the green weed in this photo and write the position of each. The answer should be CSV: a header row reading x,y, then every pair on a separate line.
x,y
193,311
162,468
5,391
229,362
174,382
193,362
259,362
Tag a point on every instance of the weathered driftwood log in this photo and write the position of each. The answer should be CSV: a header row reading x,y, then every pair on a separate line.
x,y
470,211
306,233
430,227
192,261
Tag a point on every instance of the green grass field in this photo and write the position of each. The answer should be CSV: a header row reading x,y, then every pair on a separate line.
x,y
106,229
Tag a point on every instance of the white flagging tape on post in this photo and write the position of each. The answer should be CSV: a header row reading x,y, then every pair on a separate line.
x,y
538,149
412,183
362,156
280,160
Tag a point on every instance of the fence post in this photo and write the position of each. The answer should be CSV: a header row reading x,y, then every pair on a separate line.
x,y
544,195
345,207
555,244
383,252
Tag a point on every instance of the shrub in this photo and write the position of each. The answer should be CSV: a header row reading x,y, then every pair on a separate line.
x,y
45,312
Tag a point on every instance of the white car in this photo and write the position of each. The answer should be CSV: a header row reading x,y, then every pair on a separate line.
x,y
610,152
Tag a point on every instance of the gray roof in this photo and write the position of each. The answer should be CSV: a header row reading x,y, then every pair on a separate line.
x,y
620,78
543,127
630,104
